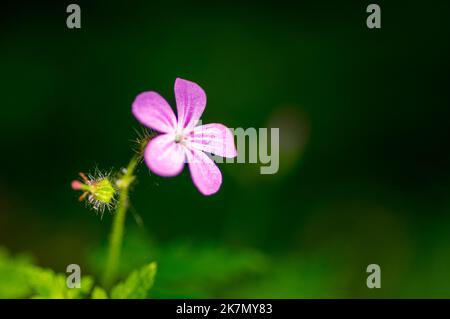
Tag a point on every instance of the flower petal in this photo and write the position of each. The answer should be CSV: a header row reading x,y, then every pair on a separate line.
x,y
204,172
153,111
213,138
163,156
191,102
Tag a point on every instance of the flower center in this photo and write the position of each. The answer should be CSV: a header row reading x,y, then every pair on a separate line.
x,y
179,138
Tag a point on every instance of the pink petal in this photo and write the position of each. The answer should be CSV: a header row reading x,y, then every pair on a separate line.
x,y
163,156
153,111
205,174
213,138
191,102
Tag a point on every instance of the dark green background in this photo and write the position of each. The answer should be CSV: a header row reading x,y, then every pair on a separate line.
x,y
364,121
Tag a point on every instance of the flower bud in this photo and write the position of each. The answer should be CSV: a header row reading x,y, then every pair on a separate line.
x,y
103,191
99,191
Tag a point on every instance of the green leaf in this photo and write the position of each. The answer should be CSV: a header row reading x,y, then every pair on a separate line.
x,y
47,284
13,280
137,285
19,278
99,293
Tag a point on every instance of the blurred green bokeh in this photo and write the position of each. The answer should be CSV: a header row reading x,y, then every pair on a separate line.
x,y
364,151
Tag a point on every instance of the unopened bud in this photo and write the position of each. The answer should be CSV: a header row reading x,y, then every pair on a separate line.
x,y
103,191
99,191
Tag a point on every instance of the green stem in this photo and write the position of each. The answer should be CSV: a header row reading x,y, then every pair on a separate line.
x,y
116,236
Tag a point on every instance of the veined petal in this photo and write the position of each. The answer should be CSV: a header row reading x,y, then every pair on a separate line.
x,y
212,138
204,172
153,111
191,102
164,156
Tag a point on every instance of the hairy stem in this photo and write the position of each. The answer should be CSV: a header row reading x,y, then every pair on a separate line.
x,y
116,235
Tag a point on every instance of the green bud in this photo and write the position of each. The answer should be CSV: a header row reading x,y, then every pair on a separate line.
x,y
99,191
103,191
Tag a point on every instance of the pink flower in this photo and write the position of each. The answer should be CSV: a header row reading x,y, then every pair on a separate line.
x,y
180,139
